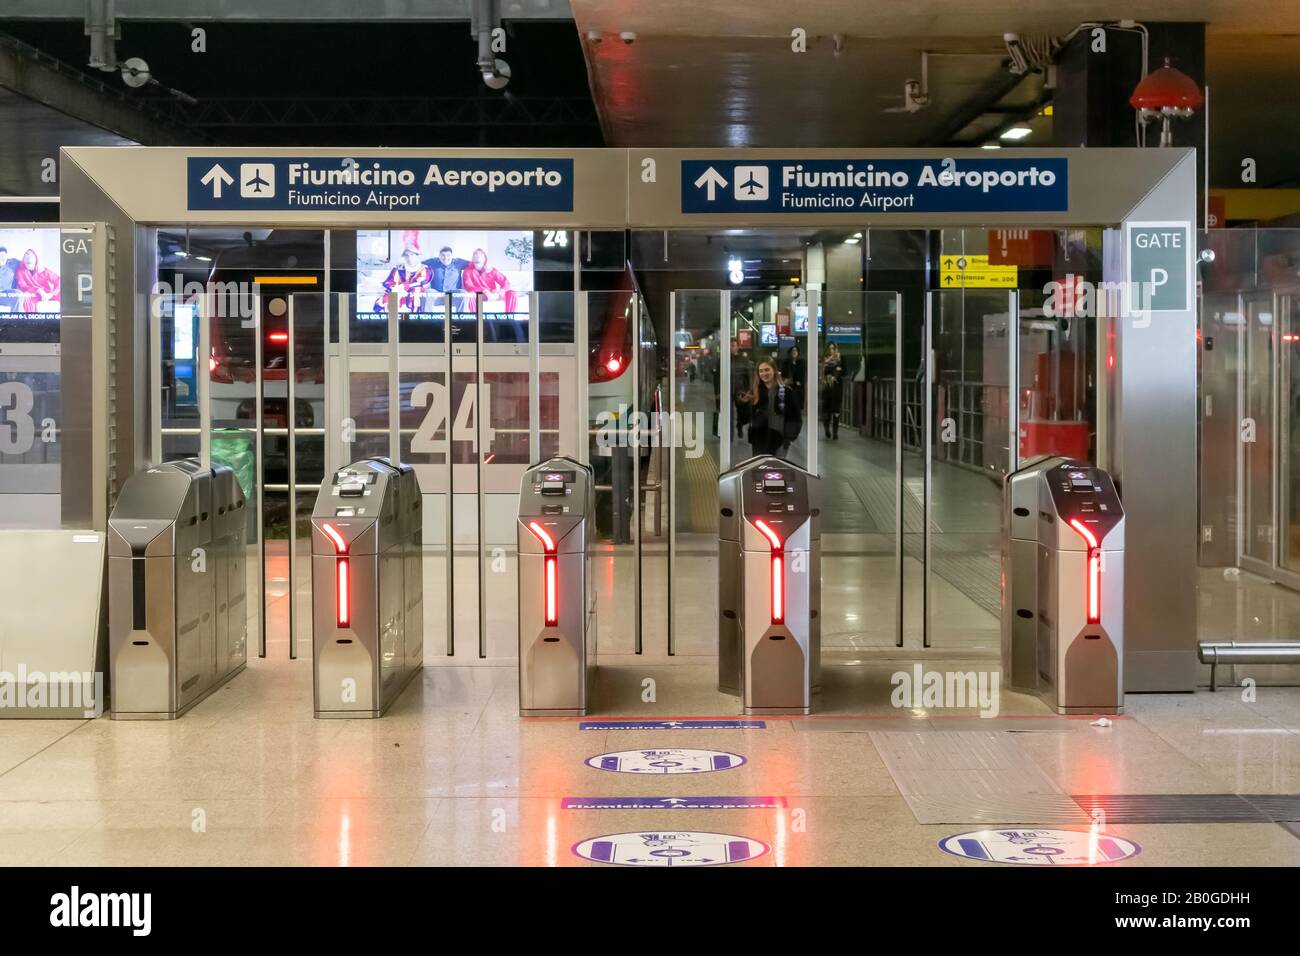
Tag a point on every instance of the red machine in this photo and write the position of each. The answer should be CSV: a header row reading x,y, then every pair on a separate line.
x,y
1050,422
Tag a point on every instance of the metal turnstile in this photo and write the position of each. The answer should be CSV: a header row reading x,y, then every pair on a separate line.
x,y
178,614
367,588
769,586
1067,605
1081,591
1020,492
557,603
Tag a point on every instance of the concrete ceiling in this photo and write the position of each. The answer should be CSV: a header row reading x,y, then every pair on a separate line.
x,y
726,76
920,18
711,90
1254,107
33,133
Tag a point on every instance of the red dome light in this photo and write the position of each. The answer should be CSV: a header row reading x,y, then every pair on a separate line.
x,y
1167,89
1165,94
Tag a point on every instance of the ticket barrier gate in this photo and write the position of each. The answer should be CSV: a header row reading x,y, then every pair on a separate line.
x,y
178,615
769,586
1063,611
1020,492
557,602
367,588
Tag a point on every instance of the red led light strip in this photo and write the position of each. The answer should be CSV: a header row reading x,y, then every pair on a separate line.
x,y
342,576
342,587
1094,570
550,572
778,570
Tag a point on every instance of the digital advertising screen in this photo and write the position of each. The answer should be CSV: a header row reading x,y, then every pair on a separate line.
x,y
422,266
767,333
30,287
801,319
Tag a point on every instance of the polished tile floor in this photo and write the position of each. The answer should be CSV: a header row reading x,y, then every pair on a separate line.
x,y
452,776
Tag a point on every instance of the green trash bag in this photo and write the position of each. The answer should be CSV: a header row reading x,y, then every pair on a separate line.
x,y
235,451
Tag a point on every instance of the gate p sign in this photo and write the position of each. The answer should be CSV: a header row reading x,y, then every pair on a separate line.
x,y
1159,266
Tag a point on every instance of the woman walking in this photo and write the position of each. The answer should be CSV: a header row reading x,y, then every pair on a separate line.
x,y
832,394
776,418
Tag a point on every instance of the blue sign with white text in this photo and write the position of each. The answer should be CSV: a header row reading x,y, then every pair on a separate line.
x,y
672,725
673,803
875,185
326,184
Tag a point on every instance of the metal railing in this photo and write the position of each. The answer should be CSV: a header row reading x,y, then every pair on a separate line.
x,y
883,400
978,412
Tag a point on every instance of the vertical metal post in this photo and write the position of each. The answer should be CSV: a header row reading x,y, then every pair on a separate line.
x,y
927,486
724,380
203,378
534,380
259,474
1242,344
291,417
343,399
450,577
345,424
481,411
580,343
325,361
632,431
672,461
812,379
1275,433
1013,380
898,466
326,440
394,380
105,484
1205,212
155,377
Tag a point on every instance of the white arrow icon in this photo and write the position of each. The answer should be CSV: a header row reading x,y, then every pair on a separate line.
x,y
710,179
216,177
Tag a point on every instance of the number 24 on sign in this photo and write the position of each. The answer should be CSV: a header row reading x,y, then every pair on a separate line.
x,y
433,395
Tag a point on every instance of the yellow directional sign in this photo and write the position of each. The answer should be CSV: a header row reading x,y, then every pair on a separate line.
x,y
974,272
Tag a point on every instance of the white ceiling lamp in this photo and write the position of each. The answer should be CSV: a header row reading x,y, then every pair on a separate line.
x,y
1016,133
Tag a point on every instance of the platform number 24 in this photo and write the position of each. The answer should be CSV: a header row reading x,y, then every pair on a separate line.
x,y
434,396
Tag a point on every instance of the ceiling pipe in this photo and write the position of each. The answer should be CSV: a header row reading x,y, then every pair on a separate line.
x,y
104,32
495,73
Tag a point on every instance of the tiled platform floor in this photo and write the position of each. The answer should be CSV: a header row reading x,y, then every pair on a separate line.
x,y
453,776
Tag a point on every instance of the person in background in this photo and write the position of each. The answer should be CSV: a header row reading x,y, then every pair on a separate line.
x,y
795,373
711,371
408,278
742,374
37,284
776,419
445,271
831,397
8,275
479,277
